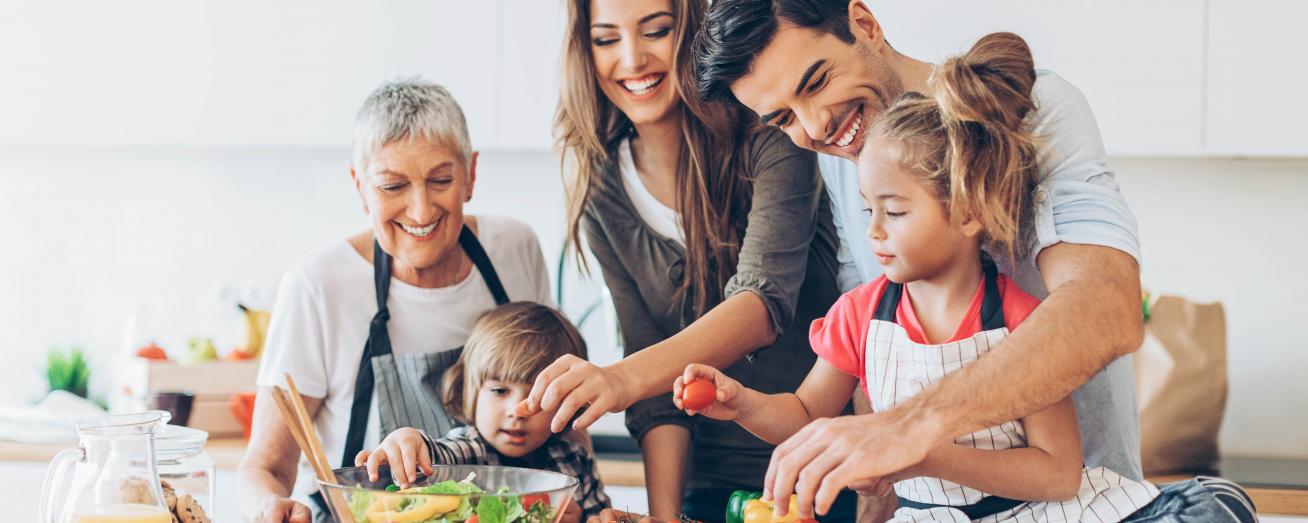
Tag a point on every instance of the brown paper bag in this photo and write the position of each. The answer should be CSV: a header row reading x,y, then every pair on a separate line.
x,y
1180,379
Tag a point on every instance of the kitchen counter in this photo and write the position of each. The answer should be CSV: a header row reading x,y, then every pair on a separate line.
x,y
628,471
619,471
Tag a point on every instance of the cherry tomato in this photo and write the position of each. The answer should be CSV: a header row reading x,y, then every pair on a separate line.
x,y
698,394
532,499
472,519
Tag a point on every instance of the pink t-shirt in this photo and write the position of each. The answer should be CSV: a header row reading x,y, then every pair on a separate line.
x,y
840,338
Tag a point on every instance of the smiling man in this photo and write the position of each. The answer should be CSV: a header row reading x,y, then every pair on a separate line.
x,y
821,71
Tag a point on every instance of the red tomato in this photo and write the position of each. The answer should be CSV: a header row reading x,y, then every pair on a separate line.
x,y
532,499
472,519
698,394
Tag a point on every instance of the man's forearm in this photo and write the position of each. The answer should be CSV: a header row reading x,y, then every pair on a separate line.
x,y
1091,317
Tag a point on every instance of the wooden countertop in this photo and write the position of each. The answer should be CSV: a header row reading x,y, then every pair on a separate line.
x,y
227,453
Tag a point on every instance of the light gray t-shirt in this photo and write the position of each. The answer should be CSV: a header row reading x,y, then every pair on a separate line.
x,y
1076,201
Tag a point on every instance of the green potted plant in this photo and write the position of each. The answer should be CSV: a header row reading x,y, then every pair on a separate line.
x,y
67,370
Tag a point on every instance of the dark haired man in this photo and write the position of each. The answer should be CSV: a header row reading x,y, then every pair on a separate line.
x,y
821,71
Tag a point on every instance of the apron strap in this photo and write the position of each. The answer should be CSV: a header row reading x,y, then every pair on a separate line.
x,y
379,343
988,506
889,302
473,249
992,306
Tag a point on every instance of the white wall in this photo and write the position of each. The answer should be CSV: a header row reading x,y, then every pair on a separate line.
x,y
91,233
1233,231
165,159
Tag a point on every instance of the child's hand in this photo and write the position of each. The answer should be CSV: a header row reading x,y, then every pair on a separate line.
x,y
727,392
405,451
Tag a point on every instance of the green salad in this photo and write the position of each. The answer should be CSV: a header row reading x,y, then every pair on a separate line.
x,y
449,502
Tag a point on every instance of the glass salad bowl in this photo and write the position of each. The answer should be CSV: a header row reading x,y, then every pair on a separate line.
x,y
452,494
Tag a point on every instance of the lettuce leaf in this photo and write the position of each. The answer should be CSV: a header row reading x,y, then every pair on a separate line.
x,y
491,510
449,487
516,512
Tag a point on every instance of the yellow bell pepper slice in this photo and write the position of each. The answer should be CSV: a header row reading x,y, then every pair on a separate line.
x,y
386,509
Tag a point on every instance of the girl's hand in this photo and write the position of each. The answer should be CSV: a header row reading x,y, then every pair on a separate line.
x,y
405,451
571,384
728,394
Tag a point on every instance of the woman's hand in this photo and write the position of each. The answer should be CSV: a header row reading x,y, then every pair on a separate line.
x,y
267,472
404,450
284,510
728,398
571,384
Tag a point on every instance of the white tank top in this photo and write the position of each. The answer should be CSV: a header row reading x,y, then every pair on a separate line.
x,y
663,219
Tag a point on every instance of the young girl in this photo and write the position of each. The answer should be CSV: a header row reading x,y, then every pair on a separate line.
x,y
507,347
942,177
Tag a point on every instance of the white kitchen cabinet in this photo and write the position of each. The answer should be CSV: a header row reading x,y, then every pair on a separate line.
x,y
1164,77
529,72
1140,64
1256,78
231,72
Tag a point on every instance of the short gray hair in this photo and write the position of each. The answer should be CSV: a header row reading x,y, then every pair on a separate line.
x,y
410,108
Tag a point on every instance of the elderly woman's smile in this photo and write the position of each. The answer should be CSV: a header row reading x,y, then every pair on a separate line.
x,y
414,191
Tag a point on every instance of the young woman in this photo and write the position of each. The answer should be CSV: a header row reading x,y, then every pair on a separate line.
x,y
714,237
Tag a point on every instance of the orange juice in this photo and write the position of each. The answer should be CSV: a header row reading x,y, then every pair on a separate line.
x,y
122,513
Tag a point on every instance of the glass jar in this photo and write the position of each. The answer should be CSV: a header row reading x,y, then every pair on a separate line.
x,y
179,453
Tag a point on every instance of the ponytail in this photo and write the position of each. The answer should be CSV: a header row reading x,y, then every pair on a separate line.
x,y
984,97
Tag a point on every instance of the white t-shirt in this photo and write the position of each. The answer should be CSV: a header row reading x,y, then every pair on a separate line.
x,y
663,219
326,301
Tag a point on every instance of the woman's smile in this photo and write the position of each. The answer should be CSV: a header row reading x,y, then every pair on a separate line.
x,y
644,87
420,232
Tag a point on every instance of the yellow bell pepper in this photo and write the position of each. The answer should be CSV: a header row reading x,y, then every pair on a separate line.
x,y
759,511
386,509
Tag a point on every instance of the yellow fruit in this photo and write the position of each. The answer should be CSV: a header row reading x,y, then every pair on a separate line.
x,y
386,509
256,329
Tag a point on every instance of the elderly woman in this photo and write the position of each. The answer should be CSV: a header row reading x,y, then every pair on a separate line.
x,y
366,325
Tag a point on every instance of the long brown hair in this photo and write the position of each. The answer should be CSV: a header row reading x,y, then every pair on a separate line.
x,y
712,191
971,142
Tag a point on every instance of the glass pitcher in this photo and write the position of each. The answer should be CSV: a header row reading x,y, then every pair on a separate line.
x,y
110,477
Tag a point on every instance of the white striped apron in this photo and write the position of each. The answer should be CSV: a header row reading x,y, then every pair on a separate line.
x,y
898,368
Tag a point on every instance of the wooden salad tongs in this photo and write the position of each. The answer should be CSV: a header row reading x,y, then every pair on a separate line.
x,y
297,419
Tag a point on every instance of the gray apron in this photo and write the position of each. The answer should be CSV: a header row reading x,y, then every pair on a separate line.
x,y
407,386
